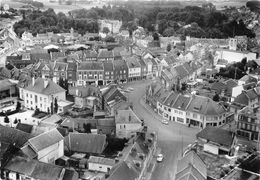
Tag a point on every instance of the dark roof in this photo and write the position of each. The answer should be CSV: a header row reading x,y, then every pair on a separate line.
x,y
171,99
86,143
123,171
91,66
108,66
60,66
101,160
217,135
45,140
13,136
105,54
182,102
72,66
40,56
38,87
24,127
5,85
120,65
191,165
127,117
46,171
112,94
70,175
29,152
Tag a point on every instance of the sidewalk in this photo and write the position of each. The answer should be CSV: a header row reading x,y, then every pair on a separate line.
x,y
152,165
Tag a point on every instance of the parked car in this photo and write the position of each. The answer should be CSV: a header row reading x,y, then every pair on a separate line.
x,y
165,122
159,158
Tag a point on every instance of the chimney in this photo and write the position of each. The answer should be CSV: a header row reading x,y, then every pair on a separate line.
x,y
77,92
129,118
33,81
46,82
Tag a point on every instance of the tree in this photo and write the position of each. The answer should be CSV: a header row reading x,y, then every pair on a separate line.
x,y
87,127
169,32
51,108
56,106
184,86
169,47
6,119
216,97
106,30
110,39
15,121
18,106
155,36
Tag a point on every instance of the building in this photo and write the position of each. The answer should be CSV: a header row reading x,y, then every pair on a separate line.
x,y
46,147
113,25
120,71
105,55
41,93
134,68
86,97
8,95
192,110
216,140
93,144
72,73
248,98
191,166
100,164
127,123
89,73
59,71
248,125
108,72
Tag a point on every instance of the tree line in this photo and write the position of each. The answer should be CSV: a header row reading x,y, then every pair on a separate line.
x,y
200,22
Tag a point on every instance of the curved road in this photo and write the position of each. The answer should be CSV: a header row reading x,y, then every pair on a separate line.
x,y
172,138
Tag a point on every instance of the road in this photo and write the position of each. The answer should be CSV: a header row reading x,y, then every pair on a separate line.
x,y
172,138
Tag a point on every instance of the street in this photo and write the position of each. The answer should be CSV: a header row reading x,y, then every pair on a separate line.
x,y
172,138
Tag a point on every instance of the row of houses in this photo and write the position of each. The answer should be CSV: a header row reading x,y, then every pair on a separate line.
x,y
191,110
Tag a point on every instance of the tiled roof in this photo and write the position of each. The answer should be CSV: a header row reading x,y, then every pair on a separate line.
x,y
5,84
218,87
191,164
56,55
90,54
133,62
46,171
182,102
72,66
105,54
52,88
123,171
242,99
101,160
29,152
217,135
108,66
45,140
171,99
60,66
40,56
91,66
86,143
127,117
120,65
24,127
13,136
206,106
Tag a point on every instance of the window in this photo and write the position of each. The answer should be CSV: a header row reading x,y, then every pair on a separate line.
x,y
194,115
27,102
187,113
31,102
45,99
30,96
26,94
175,111
40,98
180,113
169,109
180,119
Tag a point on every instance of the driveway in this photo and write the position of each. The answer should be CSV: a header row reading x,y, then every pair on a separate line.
x,y
172,138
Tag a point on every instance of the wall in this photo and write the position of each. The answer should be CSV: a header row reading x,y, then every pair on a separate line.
x,y
126,130
54,151
99,167
234,56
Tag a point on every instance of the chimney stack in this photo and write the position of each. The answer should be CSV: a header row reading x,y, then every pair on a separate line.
x,y
33,81
46,82
129,118
77,92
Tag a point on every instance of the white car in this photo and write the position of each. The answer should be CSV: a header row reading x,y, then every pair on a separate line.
x,y
159,158
165,122
130,89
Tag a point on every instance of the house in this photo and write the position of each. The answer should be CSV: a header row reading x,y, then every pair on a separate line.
x,y
247,79
48,146
93,144
59,71
24,127
149,67
105,55
144,68
216,140
127,123
134,68
248,125
57,55
108,72
44,70
106,125
111,95
120,71
18,62
191,166
90,72
150,95
72,73
113,25
21,168
237,90
248,98
27,39
136,158
8,95
100,164
86,97
41,93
